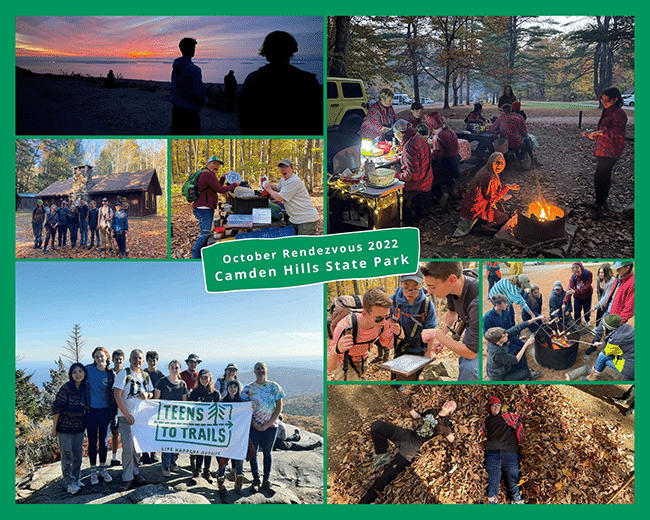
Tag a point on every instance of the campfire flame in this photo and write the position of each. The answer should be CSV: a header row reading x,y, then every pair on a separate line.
x,y
558,343
544,211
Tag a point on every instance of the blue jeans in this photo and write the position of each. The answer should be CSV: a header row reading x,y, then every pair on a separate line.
x,y
264,441
168,459
238,464
468,369
204,216
83,232
502,463
602,361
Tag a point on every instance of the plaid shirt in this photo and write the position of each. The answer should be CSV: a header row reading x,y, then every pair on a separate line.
x,y
511,420
378,116
479,201
416,169
447,144
511,126
612,124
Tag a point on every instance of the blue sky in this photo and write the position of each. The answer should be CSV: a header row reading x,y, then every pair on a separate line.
x,y
159,306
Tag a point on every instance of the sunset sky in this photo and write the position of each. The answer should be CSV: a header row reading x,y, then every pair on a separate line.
x,y
158,37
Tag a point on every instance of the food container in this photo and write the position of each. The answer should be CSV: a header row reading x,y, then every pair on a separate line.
x,y
381,177
385,146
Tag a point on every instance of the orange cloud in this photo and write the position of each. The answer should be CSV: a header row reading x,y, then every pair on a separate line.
x,y
140,54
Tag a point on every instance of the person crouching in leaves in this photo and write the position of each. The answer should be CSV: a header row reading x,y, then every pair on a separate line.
x,y
503,432
434,423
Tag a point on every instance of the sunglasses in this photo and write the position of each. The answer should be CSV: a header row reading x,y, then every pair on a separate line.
x,y
383,318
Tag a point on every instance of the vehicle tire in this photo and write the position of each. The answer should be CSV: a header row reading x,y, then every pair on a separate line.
x,y
631,103
351,123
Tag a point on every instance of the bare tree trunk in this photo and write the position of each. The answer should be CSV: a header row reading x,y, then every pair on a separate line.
x,y
341,48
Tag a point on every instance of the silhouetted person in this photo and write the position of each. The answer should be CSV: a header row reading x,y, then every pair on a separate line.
x,y
110,80
230,82
187,91
274,92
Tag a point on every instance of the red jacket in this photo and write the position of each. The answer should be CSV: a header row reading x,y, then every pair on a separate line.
x,y
210,188
378,116
416,169
612,123
581,284
623,303
511,126
447,144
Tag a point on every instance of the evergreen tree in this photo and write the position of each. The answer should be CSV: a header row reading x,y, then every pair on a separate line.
x,y
27,395
58,377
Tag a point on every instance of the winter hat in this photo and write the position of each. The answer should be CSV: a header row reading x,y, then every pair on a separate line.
x,y
612,321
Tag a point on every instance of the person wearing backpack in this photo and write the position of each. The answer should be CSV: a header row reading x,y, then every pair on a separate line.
x,y
131,384
460,288
413,312
206,189
356,333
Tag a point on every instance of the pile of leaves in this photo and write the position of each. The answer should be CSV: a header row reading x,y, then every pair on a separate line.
x,y
565,458
146,238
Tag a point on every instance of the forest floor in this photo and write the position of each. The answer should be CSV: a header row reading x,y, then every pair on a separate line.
x,y
545,276
185,228
578,447
566,179
146,238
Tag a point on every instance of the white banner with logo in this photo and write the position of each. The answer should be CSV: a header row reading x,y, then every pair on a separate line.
x,y
219,429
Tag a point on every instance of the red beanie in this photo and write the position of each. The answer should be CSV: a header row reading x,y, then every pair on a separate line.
x,y
493,399
434,120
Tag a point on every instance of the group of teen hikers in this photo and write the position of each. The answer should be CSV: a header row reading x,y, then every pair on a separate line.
x,y
104,224
98,397
405,323
612,335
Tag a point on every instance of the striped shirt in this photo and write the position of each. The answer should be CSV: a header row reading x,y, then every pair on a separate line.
x,y
511,291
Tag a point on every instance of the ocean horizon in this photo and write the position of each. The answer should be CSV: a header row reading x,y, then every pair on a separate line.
x,y
157,69
41,368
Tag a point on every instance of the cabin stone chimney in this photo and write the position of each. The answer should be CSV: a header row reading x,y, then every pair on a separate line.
x,y
81,180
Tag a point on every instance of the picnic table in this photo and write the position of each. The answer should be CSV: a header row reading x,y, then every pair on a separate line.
x,y
363,206
485,139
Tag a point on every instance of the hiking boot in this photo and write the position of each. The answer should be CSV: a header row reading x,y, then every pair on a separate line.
x,y
166,472
195,475
534,375
125,486
94,478
380,459
139,480
206,476
73,489
221,484
238,484
590,350
145,459
105,475
153,458
115,462
176,467
266,486
80,484
255,485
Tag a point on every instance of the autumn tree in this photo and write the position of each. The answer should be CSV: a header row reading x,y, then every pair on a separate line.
x,y
27,395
